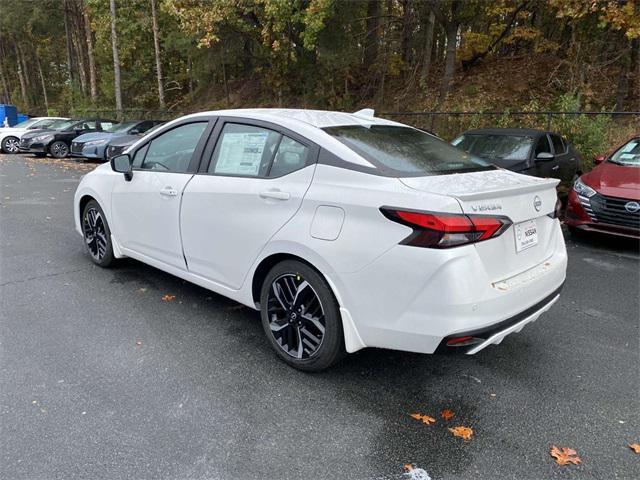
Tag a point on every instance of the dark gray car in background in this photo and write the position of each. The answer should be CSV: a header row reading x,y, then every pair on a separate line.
x,y
532,152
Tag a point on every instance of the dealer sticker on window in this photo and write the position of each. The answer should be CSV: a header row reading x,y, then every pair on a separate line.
x,y
526,234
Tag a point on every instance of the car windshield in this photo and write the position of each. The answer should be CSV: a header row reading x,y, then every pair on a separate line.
x,y
495,146
26,123
63,124
120,127
405,151
629,154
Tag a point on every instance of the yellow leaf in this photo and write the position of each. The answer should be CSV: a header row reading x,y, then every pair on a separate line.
x,y
426,419
462,432
635,447
168,298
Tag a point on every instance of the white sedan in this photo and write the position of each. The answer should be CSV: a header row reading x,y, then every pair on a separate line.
x,y
344,230
10,136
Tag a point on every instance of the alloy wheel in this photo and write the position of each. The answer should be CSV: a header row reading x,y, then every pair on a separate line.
x,y
59,150
11,145
95,234
296,317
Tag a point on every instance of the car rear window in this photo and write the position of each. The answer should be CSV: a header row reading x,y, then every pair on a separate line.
x,y
405,151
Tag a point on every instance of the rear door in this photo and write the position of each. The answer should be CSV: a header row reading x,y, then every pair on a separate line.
x,y
146,210
251,182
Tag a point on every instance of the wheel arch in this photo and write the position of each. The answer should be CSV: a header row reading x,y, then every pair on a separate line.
x,y
352,339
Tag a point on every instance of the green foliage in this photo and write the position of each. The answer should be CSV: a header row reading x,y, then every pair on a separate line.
x,y
588,133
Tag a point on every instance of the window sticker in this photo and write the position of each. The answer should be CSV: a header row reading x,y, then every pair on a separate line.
x,y
629,147
241,153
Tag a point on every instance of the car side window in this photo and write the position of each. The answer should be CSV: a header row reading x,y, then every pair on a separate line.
x,y
88,125
543,145
105,125
138,158
244,150
172,151
143,126
558,144
290,156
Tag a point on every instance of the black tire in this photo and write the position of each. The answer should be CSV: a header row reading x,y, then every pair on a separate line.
x,y
10,145
308,337
59,149
97,235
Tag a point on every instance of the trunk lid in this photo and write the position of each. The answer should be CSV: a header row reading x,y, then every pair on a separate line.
x,y
521,198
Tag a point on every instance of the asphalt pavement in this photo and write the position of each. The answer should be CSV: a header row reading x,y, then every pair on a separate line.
x,y
102,379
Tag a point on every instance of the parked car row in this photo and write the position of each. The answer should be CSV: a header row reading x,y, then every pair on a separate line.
x,y
61,137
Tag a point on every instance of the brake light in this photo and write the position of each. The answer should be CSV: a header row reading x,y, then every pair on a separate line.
x,y
444,230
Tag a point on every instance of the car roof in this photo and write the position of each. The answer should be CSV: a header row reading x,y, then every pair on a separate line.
x,y
508,131
316,118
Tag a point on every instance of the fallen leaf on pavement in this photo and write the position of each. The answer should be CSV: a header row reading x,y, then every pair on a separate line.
x,y
635,447
565,456
408,467
462,432
447,414
138,343
168,298
426,419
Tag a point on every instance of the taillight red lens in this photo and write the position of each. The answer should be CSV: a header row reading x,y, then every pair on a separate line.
x,y
444,230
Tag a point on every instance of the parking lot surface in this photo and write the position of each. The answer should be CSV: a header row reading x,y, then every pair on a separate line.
x,y
102,378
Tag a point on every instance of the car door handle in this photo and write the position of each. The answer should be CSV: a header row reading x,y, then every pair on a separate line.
x,y
275,195
556,167
169,192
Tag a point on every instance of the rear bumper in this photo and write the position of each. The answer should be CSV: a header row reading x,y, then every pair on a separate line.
x,y
494,334
413,300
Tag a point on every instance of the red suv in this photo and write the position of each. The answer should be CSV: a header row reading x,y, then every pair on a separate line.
x,y
607,199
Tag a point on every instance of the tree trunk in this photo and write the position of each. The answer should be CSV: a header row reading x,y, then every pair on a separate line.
x,y
156,45
44,86
21,77
6,96
406,33
371,40
634,70
78,40
93,81
428,47
69,51
449,60
116,60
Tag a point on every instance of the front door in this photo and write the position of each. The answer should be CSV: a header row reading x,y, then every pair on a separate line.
x,y
545,168
253,185
146,210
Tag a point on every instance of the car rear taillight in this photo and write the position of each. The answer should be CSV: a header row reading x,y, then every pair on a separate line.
x,y
444,230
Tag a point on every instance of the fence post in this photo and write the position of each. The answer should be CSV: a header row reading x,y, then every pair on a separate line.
x,y
549,117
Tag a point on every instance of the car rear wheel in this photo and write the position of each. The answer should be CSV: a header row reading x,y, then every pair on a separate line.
x,y
301,318
97,235
59,149
10,145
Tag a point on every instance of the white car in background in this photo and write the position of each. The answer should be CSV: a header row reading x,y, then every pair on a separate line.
x,y
346,231
10,136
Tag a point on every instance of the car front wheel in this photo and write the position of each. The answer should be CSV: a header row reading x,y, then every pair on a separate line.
x,y
301,317
97,235
9,145
59,149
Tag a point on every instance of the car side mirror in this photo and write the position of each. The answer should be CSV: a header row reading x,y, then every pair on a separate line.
x,y
599,159
122,164
544,157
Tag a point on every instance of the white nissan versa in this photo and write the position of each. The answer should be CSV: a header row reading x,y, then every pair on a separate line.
x,y
346,231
